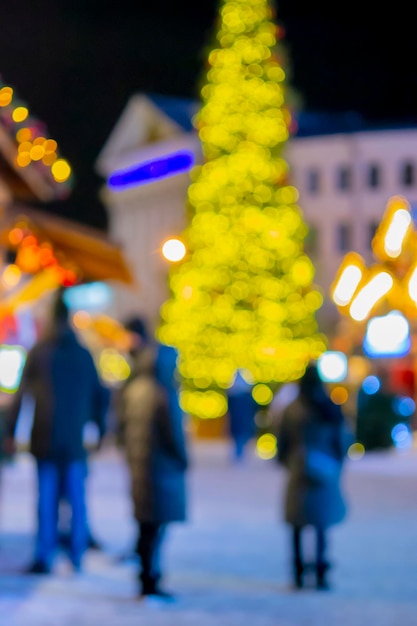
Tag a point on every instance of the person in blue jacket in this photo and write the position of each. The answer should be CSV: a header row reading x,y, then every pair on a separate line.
x,y
61,378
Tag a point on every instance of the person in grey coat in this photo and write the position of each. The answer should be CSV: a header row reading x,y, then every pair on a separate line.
x,y
313,439
152,432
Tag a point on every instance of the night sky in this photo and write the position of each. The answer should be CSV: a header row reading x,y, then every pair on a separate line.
x,y
77,62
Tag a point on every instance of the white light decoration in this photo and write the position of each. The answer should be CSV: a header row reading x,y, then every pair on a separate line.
x,y
347,284
388,335
12,360
332,366
173,250
412,285
396,233
92,296
369,295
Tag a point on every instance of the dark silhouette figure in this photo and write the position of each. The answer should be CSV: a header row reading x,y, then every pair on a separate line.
x,y
313,438
61,378
151,430
242,410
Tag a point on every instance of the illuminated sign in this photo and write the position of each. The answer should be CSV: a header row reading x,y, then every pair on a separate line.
x,y
151,170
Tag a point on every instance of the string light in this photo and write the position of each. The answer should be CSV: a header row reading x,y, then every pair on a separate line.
x,y
32,146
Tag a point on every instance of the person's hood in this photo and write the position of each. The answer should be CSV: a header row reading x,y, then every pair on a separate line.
x,y
143,362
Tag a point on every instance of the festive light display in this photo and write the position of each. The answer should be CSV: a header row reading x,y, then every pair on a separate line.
x,y
332,366
388,335
390,283
33,147
34,255
242,297
12,360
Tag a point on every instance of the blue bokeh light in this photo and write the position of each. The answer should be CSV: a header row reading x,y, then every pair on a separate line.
x,y
151,170
89,296
371,385
404,406
401,436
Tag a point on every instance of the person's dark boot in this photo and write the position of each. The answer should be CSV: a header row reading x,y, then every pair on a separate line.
x,y
149,588
38,567
321,572
298,574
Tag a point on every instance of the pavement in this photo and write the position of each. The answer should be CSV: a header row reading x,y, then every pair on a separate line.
x,y
229,564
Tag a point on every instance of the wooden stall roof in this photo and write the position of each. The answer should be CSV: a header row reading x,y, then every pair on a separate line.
x,y
89,249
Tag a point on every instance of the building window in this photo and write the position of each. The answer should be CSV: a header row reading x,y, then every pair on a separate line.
x,y
374,176
313,181
311,246
344,238
407,174
344,178
372,228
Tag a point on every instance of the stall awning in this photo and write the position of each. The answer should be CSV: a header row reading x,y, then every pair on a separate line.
x,y
91,251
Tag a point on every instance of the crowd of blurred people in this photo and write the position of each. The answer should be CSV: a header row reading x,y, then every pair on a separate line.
x,y
67,395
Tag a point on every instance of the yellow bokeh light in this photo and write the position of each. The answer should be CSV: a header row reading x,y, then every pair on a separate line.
x,y
113,366
20,114
207,405
266,446
50,146
25,146
61,170
15,235
49,158
262,394
339,395
24,134
37,152
23,159
81,320
6,96
11,275
302,271
356,451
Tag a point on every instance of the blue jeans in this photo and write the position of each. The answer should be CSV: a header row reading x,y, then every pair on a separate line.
x,y
50,476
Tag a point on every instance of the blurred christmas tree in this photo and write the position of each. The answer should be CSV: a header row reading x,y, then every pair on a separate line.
x,y
242,298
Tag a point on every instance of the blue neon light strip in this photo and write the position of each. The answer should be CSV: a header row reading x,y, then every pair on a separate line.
x,y
152,170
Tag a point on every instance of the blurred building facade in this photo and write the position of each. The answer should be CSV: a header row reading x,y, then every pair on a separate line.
x,y
142,216
344,172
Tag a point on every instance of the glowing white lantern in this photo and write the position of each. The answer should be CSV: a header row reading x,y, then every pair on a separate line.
x,y
173,250
388,335
332,366
12,360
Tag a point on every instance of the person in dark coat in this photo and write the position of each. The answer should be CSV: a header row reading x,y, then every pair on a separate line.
x,y
152,431
313,425
242,409
61,378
